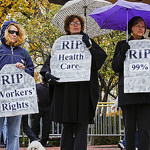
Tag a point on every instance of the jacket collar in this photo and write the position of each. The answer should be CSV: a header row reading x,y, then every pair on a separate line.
x,y
131,38
80,33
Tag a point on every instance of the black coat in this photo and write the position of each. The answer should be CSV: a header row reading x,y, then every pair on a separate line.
x,y
76,101
44,97
118,67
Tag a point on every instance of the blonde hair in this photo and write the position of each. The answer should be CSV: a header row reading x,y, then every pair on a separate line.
x,y
20,38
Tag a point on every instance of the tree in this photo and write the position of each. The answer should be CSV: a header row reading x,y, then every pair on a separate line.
x,y
108,80
7,7
41,34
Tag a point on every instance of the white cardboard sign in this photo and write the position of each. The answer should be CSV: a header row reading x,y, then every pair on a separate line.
x,y
17,92
137,67
71,59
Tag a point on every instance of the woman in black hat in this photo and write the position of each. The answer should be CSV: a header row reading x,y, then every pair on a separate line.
x,y
135,106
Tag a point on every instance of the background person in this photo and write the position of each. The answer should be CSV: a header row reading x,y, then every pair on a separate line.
x,y
74,103
12,36
44,103
135,106
27,130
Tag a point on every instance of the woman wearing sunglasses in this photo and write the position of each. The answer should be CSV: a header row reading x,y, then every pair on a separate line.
x,y
74,103
12,36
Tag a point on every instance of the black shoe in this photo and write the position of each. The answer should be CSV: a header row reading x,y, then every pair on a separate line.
x,y
48,145
120,145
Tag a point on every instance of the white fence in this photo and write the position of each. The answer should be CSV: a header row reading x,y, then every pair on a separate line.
x,y
108,122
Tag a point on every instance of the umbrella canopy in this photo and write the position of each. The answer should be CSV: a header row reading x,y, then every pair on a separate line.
x,y
116,16
82,8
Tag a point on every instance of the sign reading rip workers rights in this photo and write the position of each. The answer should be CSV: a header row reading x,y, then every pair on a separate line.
x,y
71,59
17,92
137,67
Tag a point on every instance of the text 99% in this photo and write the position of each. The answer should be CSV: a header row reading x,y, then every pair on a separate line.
x,y
139,67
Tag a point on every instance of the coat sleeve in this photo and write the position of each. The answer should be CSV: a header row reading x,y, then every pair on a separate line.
x,y
46,66
29,67
118,60
98,55
98,58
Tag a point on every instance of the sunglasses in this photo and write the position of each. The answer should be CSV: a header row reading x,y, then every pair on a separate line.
x,y
12,32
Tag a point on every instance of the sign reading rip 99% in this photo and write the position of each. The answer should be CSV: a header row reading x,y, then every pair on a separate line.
x,y
137,67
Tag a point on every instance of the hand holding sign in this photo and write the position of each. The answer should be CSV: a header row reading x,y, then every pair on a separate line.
x,y
86,40
52,79
20,65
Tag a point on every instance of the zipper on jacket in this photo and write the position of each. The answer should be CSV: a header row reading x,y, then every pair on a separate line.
x,y
12,52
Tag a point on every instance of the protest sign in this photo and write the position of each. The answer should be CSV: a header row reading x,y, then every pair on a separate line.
x,y
71,59
17,92
137,67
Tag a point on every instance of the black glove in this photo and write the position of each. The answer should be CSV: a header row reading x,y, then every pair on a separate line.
x,y
51,78
124,49
86,40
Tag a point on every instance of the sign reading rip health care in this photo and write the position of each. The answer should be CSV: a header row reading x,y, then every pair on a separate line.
x,y
137,67
71,59
17,92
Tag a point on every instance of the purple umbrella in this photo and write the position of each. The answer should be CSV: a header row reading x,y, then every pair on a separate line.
x,y
116,16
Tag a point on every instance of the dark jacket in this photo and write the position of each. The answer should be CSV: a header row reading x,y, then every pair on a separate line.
x,y
76,101
44,98
13,55
118,67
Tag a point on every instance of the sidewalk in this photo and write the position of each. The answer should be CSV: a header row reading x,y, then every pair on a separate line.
x,y
98,147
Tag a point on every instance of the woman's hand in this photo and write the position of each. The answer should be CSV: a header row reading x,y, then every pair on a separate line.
x,y
50,78
20,65
86,40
